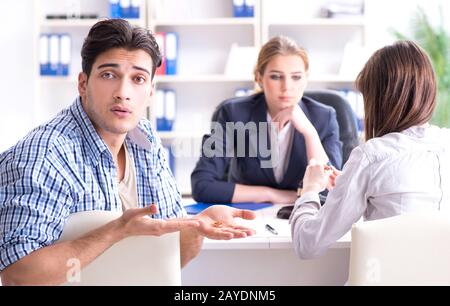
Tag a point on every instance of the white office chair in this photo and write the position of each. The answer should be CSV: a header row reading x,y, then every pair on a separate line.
x,y
401,250
140,260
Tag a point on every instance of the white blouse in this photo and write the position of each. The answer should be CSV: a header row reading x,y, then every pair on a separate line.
x,y
386,176
283,147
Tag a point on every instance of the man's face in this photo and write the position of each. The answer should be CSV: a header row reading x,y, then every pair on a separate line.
x,y
118,90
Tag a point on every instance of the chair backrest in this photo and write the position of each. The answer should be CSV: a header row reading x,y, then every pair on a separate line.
x,y
345,117
139,260
402,250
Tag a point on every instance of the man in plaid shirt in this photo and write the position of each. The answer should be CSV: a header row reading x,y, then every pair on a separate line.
x,y
98,154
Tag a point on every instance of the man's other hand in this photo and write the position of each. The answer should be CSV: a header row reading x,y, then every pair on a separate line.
x,y
218,222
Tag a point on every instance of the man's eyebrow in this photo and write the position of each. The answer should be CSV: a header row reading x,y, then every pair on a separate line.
x,y
108,65
117,66
142,69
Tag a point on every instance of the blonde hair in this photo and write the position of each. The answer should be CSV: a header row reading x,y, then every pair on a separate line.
x,y
278,45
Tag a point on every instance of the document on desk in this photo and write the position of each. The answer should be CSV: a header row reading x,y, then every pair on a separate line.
x,y
196,208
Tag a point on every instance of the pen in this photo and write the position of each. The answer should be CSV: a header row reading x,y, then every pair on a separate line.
x,y
271,229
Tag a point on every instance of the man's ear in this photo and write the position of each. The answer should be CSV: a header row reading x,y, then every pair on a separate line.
x,y
151,94
82,84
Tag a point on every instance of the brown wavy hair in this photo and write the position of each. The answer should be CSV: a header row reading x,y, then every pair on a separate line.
x,y
398,84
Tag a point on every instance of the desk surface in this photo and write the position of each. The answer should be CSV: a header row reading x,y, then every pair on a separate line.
x,y
263,238
265,259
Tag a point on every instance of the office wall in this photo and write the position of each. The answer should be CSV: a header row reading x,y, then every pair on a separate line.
x,y
16,34
397,14
16,76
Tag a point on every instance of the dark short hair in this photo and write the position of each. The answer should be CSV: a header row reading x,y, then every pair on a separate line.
x,y
399,87
117,33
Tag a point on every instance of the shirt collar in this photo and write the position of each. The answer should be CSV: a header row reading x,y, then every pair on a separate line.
x,y
139,137
94,143
418,131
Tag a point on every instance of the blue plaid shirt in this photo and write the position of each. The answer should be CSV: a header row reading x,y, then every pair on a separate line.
x,y
63,167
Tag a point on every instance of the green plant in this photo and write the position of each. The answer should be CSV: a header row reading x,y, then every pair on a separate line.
x,y
436,42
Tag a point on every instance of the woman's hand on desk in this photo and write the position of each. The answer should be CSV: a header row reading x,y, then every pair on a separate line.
x,y
217,222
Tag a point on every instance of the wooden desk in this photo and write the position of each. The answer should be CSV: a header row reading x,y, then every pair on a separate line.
x,y
266,259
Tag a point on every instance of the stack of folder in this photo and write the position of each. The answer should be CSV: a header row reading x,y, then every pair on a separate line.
x,y
165,109
168,45
243,8
125,8
170,158
54,54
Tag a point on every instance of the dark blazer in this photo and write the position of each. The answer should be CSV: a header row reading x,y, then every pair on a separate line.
x,y
216,173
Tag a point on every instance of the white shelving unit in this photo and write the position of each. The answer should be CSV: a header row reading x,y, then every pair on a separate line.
x,y
318,21
53,93
82,23
222,21
206,30
205,78
326,40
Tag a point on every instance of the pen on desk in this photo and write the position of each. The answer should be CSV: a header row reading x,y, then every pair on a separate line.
x,y
271,229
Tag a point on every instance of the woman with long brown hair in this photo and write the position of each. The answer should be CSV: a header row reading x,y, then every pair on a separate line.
x,y
403,167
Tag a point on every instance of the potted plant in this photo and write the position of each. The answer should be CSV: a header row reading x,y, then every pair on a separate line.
x,y
436,41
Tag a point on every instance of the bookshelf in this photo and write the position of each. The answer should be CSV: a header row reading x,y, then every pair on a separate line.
x,y
325,39
203,78
206,32
208,21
